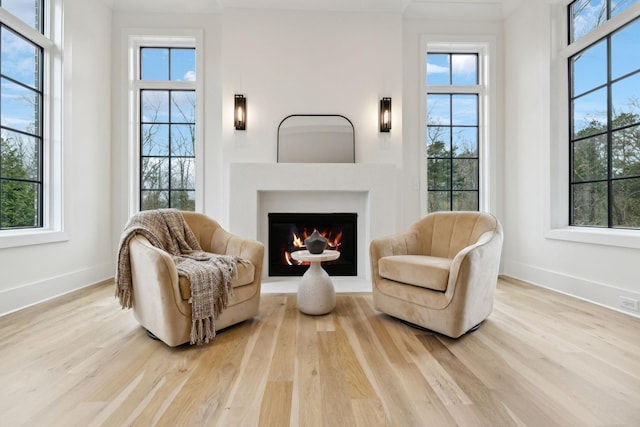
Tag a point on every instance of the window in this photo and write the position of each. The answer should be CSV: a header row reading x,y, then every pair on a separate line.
x,y
167,128
604,116
453,131
22,93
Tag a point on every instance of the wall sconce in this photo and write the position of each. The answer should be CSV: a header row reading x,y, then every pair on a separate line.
x,y
240,112
385,114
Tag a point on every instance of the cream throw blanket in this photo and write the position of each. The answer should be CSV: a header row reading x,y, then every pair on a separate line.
x,y
209,274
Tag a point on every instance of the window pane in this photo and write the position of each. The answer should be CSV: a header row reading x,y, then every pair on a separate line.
x,y
626,203
19,204
154,63
590,114
590,204
183,140
183,106
438,139
618,6
625,99
465,174
624,50
155,106
155,173
20,108
438,174
20,156
625,153
452,132
465,69
464,110
183,64
465,201
465,142
589,68
154,200
20,59
438,109
183,173
183,200
438,201
438,71
590,159
586,15
605,118
29,11
155,140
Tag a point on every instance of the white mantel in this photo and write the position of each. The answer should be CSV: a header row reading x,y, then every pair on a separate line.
x,y
370,189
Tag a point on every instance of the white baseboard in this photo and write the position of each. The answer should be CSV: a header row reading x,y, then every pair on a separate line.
x,y
33,293
588,290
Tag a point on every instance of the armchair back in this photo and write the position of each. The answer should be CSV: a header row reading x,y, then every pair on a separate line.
x,y
444,234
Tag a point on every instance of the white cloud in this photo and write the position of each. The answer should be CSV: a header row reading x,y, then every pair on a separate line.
x,y
463,64
190,76
436,69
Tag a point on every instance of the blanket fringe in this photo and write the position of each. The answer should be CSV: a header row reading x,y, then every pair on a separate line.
x,y
202,331
124,297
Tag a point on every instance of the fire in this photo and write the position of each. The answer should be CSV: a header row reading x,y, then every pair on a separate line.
x,y
334,240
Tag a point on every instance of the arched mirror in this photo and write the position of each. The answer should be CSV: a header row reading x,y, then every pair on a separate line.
x,y
316,138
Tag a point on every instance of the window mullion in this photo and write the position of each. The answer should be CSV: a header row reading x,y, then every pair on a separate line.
x,y
610,113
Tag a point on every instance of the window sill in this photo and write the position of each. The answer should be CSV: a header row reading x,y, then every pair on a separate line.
x,y
17,238
597,236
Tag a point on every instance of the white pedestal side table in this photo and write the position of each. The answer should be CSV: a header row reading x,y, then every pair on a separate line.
x,y
316,294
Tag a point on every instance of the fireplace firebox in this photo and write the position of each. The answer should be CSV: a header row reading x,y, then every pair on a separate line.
x,y
287,232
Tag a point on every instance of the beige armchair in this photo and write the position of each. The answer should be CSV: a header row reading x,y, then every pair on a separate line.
x,y
441,273
161,298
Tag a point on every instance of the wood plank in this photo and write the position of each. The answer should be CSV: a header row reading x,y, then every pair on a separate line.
x,y
541,358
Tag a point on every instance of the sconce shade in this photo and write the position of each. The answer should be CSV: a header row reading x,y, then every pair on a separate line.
x,y
385,114
240,112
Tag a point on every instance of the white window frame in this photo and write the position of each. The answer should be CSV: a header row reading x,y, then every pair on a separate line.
x,y
557,222
177,39
53,207
485,47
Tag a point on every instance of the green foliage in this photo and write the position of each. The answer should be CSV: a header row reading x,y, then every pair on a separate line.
x,y
18,198
590,173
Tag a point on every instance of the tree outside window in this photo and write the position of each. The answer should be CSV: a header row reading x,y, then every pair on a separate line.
x,y
21,123
604,109
167,130
453,163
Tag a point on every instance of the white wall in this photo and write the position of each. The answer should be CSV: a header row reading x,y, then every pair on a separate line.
x,y
284,62
30,274
294,62
596,272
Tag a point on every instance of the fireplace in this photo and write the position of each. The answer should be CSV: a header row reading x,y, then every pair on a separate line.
x,y
287,231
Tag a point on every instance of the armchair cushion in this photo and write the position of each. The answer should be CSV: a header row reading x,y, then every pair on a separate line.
x,y
245,276
425,271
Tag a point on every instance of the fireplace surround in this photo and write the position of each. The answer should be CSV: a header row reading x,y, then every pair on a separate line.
x,y
371,190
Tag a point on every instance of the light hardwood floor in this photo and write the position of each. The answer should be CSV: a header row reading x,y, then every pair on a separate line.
x,y
541,359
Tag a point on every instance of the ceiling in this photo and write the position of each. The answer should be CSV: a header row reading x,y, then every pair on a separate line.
x,y
412,8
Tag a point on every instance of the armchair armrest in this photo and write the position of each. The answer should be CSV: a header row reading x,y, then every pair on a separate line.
x,y
479,261
155,270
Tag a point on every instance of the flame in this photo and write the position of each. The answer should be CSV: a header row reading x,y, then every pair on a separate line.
x,y
334,240
298,242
